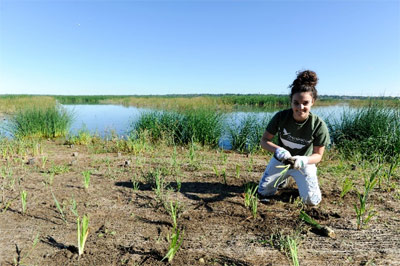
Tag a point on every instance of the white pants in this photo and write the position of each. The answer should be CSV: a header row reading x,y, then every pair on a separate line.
x,y
306,179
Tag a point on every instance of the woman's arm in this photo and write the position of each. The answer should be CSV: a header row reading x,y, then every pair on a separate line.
x,y
266,142
316,156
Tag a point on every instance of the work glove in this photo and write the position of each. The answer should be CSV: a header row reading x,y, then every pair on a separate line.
x,y
300,162
282,154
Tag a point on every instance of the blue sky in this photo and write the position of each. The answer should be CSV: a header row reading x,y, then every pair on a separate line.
x,y
176,47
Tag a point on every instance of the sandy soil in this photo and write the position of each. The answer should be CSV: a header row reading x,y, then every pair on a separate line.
x,y
131,227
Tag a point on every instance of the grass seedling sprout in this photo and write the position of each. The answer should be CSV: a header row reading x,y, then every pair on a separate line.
x,y
306,218
60,210
83,232
216,171
292,246
249,192
173,211
175,241
287,244
237,169
135,183
363,214
44,160
20,259
23,201
178,183
251,198
86,178
323,230
347,186
224,175
74,207
253,205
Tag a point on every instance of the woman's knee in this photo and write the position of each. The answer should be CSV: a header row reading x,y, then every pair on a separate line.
x,y
312,199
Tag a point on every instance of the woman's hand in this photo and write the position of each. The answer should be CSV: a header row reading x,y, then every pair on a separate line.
x,y
282,154
300,162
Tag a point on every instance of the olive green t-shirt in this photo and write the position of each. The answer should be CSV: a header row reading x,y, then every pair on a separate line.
x,y
299,138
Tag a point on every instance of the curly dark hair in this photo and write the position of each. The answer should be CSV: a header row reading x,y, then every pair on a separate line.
x,y
306,81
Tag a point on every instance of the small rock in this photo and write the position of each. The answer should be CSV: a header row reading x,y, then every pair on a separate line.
x,y
71,146
127,163
75,154
31,161
201,260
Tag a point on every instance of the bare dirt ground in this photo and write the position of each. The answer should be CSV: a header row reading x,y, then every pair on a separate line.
x,y
130,226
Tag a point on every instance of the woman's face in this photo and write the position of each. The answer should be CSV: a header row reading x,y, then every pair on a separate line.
x,y
301,105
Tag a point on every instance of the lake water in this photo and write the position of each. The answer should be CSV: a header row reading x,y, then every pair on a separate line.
x,y
103,119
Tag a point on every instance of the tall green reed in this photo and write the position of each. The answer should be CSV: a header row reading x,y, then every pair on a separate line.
x,y
196,125
372,132
245,133
48,122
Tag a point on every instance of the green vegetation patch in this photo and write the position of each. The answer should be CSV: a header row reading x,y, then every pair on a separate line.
x,y
202,126
34,122
370,133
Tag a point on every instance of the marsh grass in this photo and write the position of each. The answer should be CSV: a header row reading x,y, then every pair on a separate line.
x,y
36,122
86,99
245,133
269,101
82,137
372,133
12,103
215,102
389,173
200,126
19,148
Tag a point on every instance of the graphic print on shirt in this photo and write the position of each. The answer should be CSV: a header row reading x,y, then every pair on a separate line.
x,y
293,142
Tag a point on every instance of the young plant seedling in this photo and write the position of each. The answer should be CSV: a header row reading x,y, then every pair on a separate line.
x,y
178,183
83,232
74,207
322,230
20,260
237,168
86,178
23,201
251,198
347,186
135,183
175,241
362,211
292,246
60,210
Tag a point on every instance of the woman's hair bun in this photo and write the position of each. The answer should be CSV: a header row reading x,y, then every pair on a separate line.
x,y
307,78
